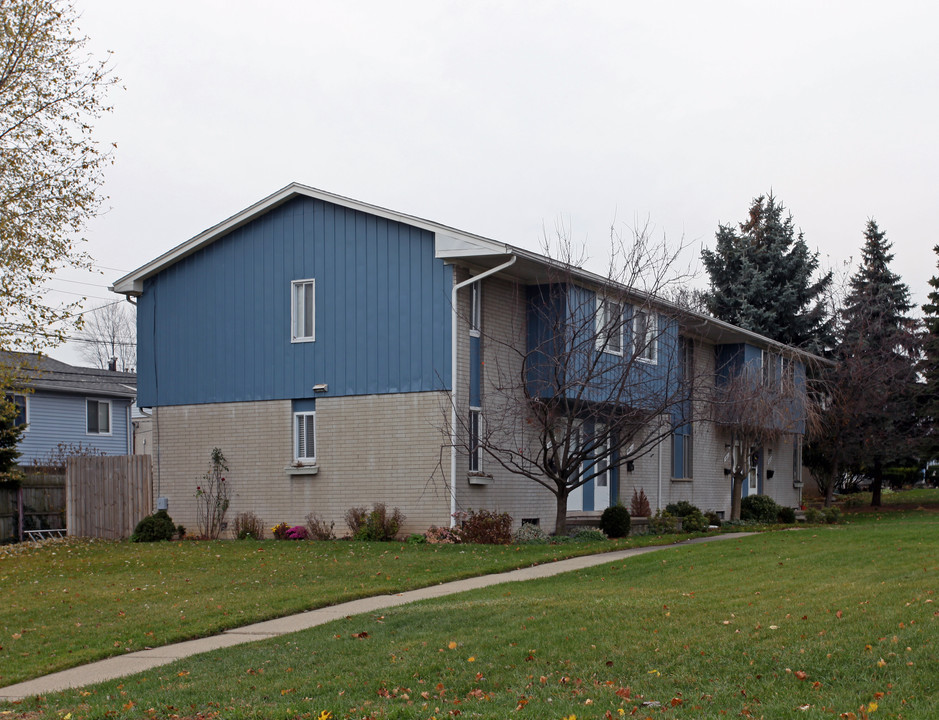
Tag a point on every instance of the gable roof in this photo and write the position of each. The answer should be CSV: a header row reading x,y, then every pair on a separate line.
x,y
41,372
451,244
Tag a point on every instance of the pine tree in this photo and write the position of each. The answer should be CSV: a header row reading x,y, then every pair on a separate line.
x,y
10,434
879,337
762,279
928,395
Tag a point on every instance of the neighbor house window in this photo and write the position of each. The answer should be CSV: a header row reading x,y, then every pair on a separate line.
x,y
302,310
609,326
22,409
304,437
475,460
644,336
99,417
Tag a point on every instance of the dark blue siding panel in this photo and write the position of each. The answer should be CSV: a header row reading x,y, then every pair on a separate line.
x,y
215,326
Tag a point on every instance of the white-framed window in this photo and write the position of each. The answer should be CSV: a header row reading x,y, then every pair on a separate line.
x,y
302,311
645,336
304,437
797,459
475,309
98,413
22,410
609,325
475,454
770,375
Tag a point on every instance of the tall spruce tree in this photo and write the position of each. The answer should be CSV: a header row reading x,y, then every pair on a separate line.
x,y
762,278
880,336
928,395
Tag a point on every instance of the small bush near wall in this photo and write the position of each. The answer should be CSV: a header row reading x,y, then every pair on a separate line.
x,y
530,534
248,526
378,524
318,529
615,521
693,520
154,528
787,515
713,518
761,508
485,527
662,523
639,505
441,536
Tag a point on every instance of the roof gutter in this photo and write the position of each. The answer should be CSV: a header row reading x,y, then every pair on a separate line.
x,y
454,365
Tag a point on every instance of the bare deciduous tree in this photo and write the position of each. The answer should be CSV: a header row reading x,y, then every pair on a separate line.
x,y
109,338
595,379
755,406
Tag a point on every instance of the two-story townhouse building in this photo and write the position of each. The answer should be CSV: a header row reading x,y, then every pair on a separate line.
x,y
341,354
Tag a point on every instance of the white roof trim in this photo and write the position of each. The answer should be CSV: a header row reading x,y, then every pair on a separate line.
x,y
450,238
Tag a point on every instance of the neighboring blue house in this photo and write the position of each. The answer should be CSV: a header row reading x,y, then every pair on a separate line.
x,y
313,339
64,405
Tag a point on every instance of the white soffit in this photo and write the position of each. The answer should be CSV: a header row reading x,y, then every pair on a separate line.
x,y
454,246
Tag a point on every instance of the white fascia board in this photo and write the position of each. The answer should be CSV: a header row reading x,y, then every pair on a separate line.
x,y
132,284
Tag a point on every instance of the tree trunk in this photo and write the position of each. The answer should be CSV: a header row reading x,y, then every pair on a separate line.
x,y
830,490
736,490
560,519
878,483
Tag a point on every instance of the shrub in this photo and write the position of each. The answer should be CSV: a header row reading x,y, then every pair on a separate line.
x,y
614,521
317,529
416,539
297,532
377,525
530,534
280,531
639,505
694,522
181,531
154,528
713,518
212,497
761,508
485,527
441,536
248,526
814,515
787,516
662,523
587,534
356,517
832,515
682,508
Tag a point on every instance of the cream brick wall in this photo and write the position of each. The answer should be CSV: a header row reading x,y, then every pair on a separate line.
x,y
373,448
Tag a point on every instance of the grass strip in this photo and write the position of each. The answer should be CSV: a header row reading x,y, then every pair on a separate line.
x,y
837,621
74,601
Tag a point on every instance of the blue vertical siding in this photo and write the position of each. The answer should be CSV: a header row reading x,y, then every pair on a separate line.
x,y
215,326
59,418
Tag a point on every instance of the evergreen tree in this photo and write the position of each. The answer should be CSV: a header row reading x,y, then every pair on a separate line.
x,y
9,437
879,336
928,394
761,279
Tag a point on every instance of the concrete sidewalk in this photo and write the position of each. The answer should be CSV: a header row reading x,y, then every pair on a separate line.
x,y
135,662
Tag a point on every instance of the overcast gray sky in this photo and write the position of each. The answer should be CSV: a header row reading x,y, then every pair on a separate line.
x,y
500,118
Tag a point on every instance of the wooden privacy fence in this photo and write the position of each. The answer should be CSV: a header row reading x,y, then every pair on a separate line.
x,y
107,496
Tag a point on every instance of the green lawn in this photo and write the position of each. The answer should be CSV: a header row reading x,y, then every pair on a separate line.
x,y
812,623
70,602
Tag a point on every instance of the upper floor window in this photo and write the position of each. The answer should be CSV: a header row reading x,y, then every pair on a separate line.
x,y
645,340
99,417
770,369
475,309
609,326
22,409
302,310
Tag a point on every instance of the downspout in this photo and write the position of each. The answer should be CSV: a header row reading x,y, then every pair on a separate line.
x,y
453,376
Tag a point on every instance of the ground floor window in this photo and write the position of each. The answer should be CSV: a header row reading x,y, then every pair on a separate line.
x,y
475,464
682,453
305,437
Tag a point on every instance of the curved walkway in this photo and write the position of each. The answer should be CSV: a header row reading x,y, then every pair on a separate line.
x,y
135,662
